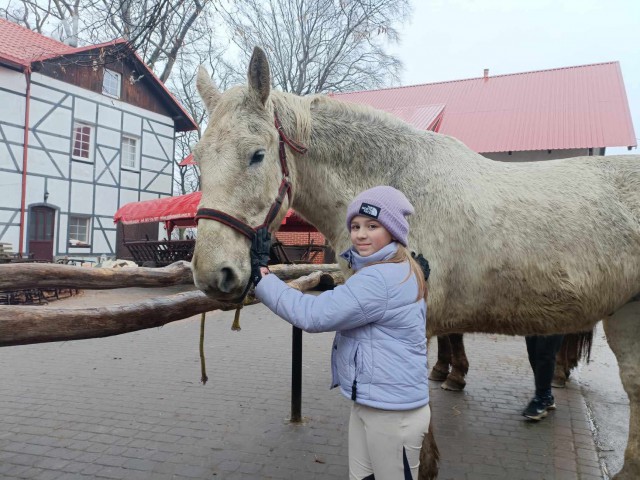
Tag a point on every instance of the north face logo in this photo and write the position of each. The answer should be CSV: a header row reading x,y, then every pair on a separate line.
x,y
369,210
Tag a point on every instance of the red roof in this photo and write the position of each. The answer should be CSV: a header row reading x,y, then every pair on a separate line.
x,y
573,107
188,160
21,47
424,117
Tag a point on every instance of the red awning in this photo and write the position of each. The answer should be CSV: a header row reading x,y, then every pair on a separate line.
x,y
181,212
160,210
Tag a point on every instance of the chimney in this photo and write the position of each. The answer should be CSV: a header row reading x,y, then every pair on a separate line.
x,y
486,74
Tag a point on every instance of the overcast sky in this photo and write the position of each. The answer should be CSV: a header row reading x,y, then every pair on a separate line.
x,y
456,39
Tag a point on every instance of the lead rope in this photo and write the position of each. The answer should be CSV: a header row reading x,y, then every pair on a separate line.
x,y
236,320
203,367
246,230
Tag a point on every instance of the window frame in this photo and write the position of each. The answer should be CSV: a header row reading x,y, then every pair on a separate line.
x,y
89,158
111,74
85,243
136,167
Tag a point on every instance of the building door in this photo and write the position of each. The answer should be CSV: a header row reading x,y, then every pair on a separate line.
x,y
41,228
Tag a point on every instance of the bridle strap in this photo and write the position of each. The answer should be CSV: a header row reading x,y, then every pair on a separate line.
x,y
297,147
228,220
284,189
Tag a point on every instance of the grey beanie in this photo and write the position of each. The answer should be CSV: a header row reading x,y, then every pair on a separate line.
x,y
388,206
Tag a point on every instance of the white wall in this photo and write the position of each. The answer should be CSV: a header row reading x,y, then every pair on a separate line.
x,y
97,188
536,155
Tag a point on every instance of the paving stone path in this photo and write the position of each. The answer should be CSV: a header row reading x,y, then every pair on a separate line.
x,y
132,407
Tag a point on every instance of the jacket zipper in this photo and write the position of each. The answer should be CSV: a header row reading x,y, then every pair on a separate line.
x,y
354,386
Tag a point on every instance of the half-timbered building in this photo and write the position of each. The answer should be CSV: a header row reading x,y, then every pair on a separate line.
x,y
82,132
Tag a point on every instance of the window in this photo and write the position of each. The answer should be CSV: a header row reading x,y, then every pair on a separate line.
x,y
82,142
129,159
111,83
79,231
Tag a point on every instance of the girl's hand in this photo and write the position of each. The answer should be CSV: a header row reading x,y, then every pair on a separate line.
x,y
264,271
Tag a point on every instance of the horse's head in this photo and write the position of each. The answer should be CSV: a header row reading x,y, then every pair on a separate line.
x,y
241,175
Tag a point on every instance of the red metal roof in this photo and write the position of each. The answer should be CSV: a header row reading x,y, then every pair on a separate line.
x,y
574,107
424,117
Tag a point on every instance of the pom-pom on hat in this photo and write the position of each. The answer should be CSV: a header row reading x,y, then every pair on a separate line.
x,y
388,206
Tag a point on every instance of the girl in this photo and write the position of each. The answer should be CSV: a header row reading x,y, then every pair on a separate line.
x,y
379,355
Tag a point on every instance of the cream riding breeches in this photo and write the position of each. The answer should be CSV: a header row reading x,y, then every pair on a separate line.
x,y
385,444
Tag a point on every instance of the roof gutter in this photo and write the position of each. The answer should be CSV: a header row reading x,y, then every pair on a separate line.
x,y
25,156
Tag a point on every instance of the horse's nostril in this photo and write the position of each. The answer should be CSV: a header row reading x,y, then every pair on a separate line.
x,y
227,280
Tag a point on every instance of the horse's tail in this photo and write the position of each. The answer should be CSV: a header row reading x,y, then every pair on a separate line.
x,y
585,342
429,456
575,347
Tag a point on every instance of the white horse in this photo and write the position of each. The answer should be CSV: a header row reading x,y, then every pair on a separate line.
x,y
515,248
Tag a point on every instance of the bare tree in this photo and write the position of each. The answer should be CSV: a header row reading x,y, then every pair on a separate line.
x,y
32,15
321,45
157,29
209,53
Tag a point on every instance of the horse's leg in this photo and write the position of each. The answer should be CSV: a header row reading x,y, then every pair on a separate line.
x,y
623,334
429,456
459,364
441,369
560,374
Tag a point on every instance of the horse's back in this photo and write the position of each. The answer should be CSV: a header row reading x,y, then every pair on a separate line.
x,y
557,241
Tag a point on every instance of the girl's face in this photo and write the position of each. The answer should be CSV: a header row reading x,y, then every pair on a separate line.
x,y
368,235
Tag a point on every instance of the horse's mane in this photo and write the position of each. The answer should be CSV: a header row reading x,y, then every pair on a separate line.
x,y
300,109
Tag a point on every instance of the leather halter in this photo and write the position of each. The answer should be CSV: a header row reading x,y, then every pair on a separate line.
x,y
284,189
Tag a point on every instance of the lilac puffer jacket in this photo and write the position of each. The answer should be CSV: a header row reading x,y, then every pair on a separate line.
x,y
379,355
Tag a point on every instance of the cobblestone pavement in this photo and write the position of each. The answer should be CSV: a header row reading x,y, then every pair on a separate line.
x,y
132,407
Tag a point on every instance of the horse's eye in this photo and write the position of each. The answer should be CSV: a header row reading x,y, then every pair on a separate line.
x,y
257,157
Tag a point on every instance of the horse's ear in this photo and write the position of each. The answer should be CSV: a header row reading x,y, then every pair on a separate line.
x,y
207,90
259,76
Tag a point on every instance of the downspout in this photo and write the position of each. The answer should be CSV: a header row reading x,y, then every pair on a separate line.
x,y
25,155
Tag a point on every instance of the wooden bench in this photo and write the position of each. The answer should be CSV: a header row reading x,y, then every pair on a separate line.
x,y
160,253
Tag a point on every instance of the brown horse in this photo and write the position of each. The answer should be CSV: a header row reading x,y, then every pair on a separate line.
x,y
533,248
452,365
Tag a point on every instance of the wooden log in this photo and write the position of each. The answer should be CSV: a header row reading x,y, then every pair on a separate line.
x,y
20,276
290,272
23,325
307,282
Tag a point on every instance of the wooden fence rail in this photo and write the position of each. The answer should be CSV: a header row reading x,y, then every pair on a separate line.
x,y
50,275
22,325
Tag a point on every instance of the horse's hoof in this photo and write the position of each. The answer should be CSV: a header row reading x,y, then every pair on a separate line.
x,y
558,383
438,375
453,385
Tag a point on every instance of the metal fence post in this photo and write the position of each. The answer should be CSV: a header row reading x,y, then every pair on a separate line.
x,y
296,375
